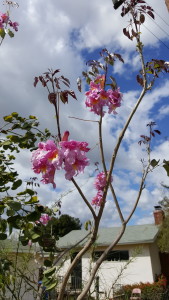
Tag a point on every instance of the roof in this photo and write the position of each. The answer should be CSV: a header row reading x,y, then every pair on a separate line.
x,y
137,234
11,246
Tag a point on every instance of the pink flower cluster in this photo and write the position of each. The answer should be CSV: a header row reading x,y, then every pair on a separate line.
x,y
44,219
99,184
46,160
4,21
14,25
74,157
97,98
69,155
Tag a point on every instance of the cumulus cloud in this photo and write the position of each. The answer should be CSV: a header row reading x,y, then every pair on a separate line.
x,y
57,34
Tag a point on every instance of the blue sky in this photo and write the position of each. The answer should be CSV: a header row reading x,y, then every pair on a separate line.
x,y
61,35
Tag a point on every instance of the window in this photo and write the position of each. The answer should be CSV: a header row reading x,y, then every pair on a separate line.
x,y
116,255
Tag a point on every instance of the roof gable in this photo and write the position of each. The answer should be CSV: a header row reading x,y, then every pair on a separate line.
x,y
137,234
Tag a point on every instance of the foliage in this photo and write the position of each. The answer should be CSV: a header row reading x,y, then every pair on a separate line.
x,y
163,236
64,224
18,271
6,24
20,204
149,291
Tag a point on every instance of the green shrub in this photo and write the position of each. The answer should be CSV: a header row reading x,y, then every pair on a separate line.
x,y
149,291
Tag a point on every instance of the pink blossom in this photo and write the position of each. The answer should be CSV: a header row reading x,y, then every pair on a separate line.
x,y
29,243
97,98
14,25
69,155
115,98
46,160
65,136
4,18
74,157
44,219
100,80
97,200
100,183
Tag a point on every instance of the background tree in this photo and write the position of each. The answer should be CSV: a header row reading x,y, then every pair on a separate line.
x,y
64,224
18,271
163,237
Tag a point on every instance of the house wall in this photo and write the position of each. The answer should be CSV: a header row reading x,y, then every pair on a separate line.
x,y
138,268
155,260
142,266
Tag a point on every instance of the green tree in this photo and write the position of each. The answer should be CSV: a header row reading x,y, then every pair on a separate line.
x,y
65,224
163,238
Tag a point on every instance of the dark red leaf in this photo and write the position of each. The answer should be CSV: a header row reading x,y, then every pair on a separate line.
x,y
65,79
150,14
35,81
64,96
52,98
65,83
56,71
142,18
79,84
119,57
72,94
126,33
157,131
57,83
139,80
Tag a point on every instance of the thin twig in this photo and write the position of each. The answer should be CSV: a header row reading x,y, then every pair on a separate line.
x,y
69,249
83,119
84,198
117,204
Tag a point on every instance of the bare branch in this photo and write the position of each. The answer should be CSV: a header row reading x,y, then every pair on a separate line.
x,y
83,119
117,204
84,198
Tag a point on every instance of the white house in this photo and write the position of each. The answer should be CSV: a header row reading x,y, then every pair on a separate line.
x,y
135,259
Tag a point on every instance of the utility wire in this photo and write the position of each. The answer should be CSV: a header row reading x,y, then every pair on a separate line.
x,y
161,18
156,37
158,25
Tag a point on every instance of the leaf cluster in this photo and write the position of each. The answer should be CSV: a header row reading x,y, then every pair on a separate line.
x,y
49,279
3,33
138,10
50,81
153,69
17,133
20,207
152,132
98,68
146,140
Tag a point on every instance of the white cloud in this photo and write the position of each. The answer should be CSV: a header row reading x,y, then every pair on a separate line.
x,y
163,111
51,34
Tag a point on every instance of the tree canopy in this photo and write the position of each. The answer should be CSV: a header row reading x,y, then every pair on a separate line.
x,y
64,224
163,238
